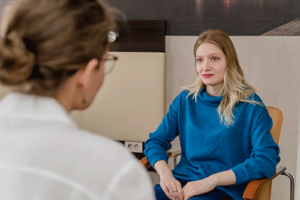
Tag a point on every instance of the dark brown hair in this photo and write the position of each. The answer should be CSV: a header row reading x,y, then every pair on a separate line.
x,y
47,41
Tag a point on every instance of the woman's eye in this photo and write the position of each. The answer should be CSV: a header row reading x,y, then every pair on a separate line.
x,y
215,58
199,60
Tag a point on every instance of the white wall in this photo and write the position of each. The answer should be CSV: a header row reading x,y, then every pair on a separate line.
x,y
271,65
130,104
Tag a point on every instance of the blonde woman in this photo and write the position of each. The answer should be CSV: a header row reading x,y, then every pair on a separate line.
x,y
223,127
54,56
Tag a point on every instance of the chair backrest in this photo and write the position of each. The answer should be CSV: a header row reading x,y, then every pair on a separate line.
x,y
277,117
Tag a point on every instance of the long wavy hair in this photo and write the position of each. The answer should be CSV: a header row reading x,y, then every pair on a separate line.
x,y
235,88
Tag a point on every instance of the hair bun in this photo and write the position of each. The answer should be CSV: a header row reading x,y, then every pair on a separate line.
x,y
16,61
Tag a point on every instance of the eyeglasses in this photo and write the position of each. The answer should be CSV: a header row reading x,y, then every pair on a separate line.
x,y
110,63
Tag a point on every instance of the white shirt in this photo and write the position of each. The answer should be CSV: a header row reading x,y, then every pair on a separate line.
x,y
45,156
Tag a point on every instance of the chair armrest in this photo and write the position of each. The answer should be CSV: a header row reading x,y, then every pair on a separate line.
x,y
145,161
175,155
254,187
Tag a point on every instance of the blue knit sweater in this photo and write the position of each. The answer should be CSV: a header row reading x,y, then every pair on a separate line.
x,y
209,147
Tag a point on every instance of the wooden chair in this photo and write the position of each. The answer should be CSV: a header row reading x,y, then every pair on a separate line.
x,y
257,189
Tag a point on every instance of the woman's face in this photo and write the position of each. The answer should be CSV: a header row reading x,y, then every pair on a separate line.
x,y
211,65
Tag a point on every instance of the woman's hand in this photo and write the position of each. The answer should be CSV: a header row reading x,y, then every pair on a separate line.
x,y
171,187
194,188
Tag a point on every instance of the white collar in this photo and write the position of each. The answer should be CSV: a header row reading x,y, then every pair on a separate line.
x,y
19,105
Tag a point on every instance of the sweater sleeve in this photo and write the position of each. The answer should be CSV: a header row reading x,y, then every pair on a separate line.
x,y
264,153
159,141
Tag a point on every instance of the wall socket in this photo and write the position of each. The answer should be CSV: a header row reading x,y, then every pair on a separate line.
x,y
135,147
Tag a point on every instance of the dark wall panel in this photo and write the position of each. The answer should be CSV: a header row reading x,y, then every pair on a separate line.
x,y
140,36
190,17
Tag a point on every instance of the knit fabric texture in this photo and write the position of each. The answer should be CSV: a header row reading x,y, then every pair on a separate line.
x,y
208,146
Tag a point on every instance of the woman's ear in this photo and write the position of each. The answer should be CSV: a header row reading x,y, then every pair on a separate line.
x,y
84,74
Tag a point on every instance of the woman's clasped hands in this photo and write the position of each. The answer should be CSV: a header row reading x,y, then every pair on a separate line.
x,y
195,188
173,189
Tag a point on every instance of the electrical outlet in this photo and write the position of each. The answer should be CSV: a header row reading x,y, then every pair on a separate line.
x,y
135,147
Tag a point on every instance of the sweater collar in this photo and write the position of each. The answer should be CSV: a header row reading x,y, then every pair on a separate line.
x,y
209,100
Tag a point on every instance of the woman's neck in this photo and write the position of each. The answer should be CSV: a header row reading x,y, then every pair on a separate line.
x,y
65,95
214,90
65,102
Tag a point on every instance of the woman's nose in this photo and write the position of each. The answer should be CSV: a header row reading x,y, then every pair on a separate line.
x,y
206,66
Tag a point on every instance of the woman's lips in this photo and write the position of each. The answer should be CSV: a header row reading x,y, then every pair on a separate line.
x,y
207,75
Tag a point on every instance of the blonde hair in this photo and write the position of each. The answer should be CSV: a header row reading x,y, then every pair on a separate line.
x,y
235,88
44,42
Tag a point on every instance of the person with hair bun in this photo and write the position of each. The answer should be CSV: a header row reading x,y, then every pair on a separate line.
x,y
223,128
54,56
